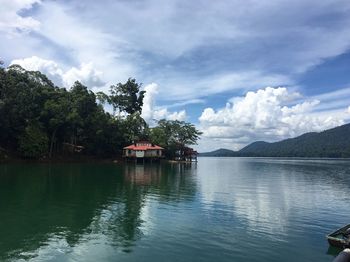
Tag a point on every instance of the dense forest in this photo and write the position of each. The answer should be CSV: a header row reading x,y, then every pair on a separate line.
x,y
39,120
334,142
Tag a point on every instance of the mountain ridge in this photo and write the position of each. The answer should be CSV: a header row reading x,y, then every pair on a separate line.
x,y
334,142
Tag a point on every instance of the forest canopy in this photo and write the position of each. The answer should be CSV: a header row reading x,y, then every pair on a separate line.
x,y
39,119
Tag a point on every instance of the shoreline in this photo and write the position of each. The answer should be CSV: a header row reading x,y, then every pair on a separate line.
x,y
78,160
120,160
60,159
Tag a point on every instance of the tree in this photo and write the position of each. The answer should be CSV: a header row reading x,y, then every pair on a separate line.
x,y
37,117
174,135
135,128
55,115
103,98
22,94
127,97
33,143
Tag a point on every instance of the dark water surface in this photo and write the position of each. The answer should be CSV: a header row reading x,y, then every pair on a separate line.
x,y
220,209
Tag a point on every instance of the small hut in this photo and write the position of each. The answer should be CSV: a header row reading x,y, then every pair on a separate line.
x,y
143,150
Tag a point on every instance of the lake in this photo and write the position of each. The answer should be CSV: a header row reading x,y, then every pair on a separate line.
x,y
219,209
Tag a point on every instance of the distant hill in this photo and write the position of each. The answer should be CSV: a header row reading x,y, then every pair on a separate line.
x,y
334,142
220,152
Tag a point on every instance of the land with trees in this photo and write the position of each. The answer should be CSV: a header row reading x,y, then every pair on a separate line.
x,y
334,143
39,120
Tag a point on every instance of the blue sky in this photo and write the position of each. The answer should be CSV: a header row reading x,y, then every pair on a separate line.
x,y
240,70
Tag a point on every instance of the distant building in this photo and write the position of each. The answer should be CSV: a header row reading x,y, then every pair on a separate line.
x,y
143,150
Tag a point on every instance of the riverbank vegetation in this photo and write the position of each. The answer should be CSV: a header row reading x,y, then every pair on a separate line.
x,y
40,120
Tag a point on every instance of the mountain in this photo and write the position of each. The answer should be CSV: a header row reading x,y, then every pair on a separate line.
x,y
334,142
220,152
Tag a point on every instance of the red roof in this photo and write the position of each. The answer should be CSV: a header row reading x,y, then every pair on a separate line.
x,y
143,148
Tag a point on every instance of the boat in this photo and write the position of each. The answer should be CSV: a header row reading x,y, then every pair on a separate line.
x,y
340,238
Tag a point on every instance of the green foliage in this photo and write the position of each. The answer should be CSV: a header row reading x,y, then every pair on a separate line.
x,y
135,128
74,116
334,142
103,98
126,97
174,132
37,118
174,135
33,143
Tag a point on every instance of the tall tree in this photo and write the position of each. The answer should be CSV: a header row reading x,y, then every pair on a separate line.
x,y
174,135
127,97
135,128
33,143
55,115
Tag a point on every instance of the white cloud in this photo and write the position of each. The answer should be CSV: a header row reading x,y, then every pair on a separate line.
x,y
267,115
190,89
151,113
86,74
83,41
187,102
149,102
192,49
48,67
11,22
163,113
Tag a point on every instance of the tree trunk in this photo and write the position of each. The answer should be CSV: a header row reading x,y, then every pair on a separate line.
x,y
52,141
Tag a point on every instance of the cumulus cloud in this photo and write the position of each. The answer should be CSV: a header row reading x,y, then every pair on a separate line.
x,y
165,114
185,46
86,73
267,114
48,67
10,20
149,102
151,113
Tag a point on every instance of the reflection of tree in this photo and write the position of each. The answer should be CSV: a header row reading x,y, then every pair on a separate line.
x,y
169,183
178,183
74,201
38,201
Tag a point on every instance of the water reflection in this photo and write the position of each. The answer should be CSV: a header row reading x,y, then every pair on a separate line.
x,y
268,197
48,211
222,208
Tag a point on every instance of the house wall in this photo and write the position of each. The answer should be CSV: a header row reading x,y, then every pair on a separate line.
x,y
139,153
129,153
153,153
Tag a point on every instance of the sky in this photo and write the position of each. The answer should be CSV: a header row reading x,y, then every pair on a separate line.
x,y
241,71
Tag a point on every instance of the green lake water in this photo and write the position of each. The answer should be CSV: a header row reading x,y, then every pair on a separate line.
x,y
220,209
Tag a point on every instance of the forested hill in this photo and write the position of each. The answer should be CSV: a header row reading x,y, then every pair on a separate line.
x,y
334,142
39,120
220,153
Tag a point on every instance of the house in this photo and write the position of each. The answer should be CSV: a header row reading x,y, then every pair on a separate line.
x,y
143,150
